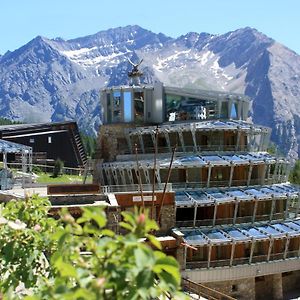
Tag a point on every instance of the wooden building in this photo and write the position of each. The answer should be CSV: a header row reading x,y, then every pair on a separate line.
x,y
49,141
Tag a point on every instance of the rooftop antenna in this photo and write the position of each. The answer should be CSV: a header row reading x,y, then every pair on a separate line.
x,y
135,73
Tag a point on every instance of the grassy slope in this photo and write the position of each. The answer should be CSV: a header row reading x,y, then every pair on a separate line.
x,y
47,178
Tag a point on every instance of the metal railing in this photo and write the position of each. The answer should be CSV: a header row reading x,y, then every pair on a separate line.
x,y
203,291
135,188
192,148
48,168
240,261
214,183
222,221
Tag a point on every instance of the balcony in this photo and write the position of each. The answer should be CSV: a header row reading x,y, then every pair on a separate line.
x,y
241,261
221,271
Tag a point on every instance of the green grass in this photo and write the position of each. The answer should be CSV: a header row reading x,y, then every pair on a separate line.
x,y
47,178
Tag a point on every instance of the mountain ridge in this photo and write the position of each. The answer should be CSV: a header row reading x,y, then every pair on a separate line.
x,y
57,79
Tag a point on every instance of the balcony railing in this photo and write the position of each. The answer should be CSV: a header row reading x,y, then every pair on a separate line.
x,y
191,149
240,261
223,221
215,183
135,188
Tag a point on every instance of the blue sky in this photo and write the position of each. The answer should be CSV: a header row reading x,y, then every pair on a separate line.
x,y
22,20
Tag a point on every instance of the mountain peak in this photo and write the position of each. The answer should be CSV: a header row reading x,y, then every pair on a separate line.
x,y
250,31
62,78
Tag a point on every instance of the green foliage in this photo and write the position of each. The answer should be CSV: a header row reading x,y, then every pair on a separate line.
x,y
58,168
25,234
89,144
65,178
36,170
81,259
295,173
4,121
272,149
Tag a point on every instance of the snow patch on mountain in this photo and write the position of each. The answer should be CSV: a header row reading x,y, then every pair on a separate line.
x,y
86,58
62,78
205,57
75,54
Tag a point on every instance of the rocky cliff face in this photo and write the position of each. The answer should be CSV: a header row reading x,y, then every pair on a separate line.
x,y
53,80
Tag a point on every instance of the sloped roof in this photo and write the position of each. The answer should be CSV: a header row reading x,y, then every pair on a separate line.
x,y
10,147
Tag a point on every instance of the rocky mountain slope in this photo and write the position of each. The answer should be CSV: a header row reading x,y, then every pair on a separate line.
x,y
53,80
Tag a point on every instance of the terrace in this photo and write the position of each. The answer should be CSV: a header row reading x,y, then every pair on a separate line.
x,y
217,206
225,135
197,171
239,245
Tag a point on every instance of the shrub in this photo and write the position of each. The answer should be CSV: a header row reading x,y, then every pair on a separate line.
x,y
295,173
58,168
41,258
36,170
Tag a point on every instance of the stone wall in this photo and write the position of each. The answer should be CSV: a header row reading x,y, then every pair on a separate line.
x,y
111,141
243,289
290,281
168,218
274,286
269,286
180,256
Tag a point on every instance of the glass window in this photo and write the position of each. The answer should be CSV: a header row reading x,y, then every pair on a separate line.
x,y
117,107
184,108
224,110
139,106
172,106
127,107
233,113
108,108
49,139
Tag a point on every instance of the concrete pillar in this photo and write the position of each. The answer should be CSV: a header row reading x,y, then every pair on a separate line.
x,y
166,134
231,174
30,160
129,143
168,216
180,134
277,286
245,289
237,146
180,254
208,176
141,142
5,160
194,137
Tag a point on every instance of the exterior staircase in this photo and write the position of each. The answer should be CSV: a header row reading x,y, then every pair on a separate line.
x,y
200,291
78,148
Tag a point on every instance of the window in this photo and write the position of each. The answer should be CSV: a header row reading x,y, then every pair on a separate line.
x,y
187,108
49,139
31,140
139,106
234,109
127,107
108,108
224,110
117,107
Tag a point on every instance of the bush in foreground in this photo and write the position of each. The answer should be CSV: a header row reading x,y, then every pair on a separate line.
x,y
43,258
